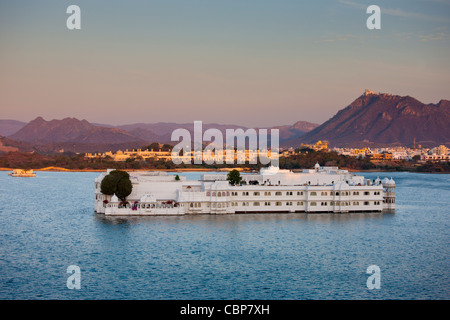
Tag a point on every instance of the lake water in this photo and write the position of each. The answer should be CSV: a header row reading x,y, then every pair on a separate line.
x,y
47,223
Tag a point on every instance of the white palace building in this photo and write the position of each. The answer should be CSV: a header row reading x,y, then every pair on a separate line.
x,y
318,190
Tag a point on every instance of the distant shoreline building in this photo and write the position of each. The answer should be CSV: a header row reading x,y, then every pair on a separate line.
x,y
437,154
247,155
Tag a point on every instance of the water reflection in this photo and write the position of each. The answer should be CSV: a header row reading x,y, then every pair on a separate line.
x,y
236,218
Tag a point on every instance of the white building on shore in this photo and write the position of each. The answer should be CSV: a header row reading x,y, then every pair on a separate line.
x,y
318,190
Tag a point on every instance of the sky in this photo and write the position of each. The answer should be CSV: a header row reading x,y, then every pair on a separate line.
x,y
253,63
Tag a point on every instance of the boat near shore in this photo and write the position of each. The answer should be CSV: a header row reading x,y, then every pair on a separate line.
x,y
317,190
22,173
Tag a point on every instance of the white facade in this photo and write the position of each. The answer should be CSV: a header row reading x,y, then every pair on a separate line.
x,y
322,189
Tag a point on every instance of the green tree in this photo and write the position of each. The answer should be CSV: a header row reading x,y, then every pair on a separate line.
x,y
234,177
109,185
120,174
117,182
124,188
177,178
166,147
154,146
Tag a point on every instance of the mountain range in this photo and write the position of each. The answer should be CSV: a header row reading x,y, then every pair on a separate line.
x,y
75,135
371,119
385,119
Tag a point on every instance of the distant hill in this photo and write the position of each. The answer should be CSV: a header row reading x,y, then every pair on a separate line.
x,y
385,119
73,135
8,127
9,145
70,130
291,132
164,129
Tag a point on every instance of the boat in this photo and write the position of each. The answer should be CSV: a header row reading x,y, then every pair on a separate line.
x,y
317,190
22,173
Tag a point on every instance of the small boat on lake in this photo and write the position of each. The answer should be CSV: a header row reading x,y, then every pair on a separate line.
x,y
22,173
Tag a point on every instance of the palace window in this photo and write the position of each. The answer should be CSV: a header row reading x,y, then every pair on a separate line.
x,y
256,204
267,203
356,193
323,204
300,203
278,203
313,204
267,193
278,193
366,193
299,193
366,203
256,193
289,193
313,193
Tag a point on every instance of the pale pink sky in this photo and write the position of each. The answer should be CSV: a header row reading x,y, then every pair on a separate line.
x,y
248,63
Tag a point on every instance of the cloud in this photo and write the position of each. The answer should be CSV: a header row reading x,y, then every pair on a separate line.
x,y
434,36
353,4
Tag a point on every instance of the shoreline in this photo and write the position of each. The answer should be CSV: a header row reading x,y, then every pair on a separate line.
x,y
60,169
245,170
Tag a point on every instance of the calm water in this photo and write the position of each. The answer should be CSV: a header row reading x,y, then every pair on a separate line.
x,y
47,223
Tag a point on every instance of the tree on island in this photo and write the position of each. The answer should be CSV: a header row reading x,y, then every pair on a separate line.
x,y
177,178
117,182
234,177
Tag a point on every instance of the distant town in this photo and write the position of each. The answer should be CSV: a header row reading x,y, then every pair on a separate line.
x,y
158,156
419,154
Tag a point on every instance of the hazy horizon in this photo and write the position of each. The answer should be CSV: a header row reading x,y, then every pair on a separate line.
x,y
250,63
